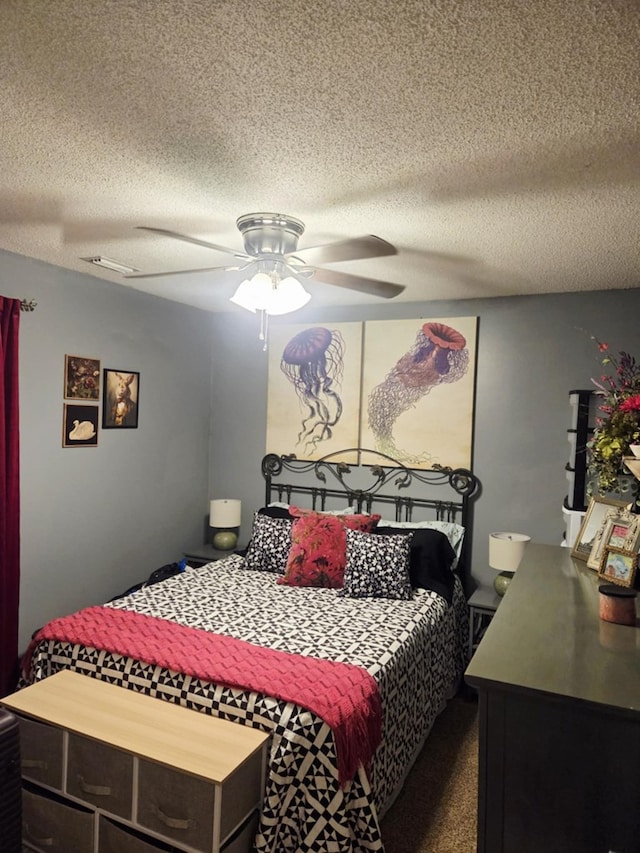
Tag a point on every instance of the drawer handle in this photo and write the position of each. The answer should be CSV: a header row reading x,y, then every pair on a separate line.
x,y
34,763
96,790
41,842
172,822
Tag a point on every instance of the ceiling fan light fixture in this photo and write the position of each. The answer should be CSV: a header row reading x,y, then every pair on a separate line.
x,y
288,296
243,296
264,292
254,293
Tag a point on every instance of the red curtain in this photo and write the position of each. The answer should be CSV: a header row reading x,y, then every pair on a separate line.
x,y
9,493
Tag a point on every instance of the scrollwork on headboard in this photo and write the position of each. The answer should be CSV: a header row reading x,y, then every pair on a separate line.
x,y
373,486
330,469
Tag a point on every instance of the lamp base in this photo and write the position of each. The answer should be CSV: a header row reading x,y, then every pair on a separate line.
x,y
501,582
225,540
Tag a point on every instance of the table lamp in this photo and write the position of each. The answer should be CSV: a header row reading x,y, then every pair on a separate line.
x,y
224,520
505,553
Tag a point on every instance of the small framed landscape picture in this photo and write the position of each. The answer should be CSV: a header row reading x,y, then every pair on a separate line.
x,y
618,566
80,426
591,525
620,529
120,395
81,378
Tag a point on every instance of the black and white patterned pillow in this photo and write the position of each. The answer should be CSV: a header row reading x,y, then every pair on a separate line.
x,y
377,566
270,544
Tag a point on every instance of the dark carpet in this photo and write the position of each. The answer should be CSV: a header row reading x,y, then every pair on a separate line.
x,y
436,811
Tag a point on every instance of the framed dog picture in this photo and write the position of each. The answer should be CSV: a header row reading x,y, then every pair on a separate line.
x,y
120,397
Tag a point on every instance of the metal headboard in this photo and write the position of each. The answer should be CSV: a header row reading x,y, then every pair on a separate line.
x,y
374,487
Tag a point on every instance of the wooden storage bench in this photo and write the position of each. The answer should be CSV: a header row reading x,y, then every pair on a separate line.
x,y
106,769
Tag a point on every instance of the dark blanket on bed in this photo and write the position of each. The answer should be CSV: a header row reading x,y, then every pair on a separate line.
x,y
346,697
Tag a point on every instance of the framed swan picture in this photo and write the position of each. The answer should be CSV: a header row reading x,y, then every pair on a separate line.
x,y
80,426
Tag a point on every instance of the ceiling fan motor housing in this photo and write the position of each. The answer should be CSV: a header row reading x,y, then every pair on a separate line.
x,y
271,243
267,234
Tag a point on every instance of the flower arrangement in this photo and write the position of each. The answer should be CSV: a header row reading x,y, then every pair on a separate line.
x,y
618,425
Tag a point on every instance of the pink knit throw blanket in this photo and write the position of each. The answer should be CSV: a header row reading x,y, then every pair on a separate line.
x,y
346,697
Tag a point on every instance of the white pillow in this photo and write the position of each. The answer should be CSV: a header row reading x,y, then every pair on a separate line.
x,y
454,532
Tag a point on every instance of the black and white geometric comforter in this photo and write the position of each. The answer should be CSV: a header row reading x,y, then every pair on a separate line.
x,y
414,649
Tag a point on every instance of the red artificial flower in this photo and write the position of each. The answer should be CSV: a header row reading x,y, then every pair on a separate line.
x,y
631,404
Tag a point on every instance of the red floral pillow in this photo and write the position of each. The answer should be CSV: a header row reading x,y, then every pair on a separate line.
x,y
318,552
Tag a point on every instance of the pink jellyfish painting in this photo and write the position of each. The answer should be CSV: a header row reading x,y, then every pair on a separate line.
x,y
438,355
313,362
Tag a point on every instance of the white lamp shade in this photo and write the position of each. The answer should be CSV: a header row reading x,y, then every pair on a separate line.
x,y
260,294
243,296
225,513
506,550
288,296
254,294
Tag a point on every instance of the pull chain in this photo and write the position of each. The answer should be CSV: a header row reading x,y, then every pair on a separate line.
x,y
264,329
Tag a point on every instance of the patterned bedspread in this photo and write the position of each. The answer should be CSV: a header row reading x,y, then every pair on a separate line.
x,y
414,649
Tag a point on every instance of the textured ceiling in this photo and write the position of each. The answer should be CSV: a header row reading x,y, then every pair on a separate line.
x,y
495,143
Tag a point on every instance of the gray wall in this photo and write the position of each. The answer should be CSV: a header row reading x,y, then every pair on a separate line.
x,y
97,520
531,352
94,521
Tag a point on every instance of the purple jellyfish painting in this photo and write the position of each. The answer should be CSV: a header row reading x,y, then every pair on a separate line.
x,y
313,362
438,355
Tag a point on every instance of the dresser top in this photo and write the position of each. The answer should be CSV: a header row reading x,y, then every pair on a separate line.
x,y
547,636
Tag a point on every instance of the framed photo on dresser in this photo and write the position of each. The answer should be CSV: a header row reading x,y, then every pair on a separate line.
x,y
620,529
618,566
592,524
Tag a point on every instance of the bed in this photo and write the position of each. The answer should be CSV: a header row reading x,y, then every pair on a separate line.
x,y
396,618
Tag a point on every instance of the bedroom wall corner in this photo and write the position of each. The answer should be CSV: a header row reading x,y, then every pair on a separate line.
x,y
96,520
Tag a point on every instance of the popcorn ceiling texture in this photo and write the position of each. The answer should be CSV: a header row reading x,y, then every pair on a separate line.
x,y
494,142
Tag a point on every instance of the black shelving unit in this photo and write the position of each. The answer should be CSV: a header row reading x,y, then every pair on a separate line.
x,y
579,433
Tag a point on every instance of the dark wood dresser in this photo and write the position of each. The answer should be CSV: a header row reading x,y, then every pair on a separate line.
x,y
559,702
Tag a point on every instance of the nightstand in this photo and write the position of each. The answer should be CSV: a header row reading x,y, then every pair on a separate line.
x,y
482,607
200,555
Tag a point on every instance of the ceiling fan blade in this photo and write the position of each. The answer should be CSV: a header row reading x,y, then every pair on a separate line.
x,y
358,248
178,272
356,282
197,242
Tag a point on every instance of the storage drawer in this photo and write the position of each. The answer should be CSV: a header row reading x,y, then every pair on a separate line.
x,y
242,840
114,838
241,793
41,752
100,775
175,805
48,824
10,784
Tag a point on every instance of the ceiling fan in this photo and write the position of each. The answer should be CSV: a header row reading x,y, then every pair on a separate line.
x,y
271,247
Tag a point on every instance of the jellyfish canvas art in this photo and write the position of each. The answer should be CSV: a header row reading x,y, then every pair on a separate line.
x,y
314,382
418,390
313,363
